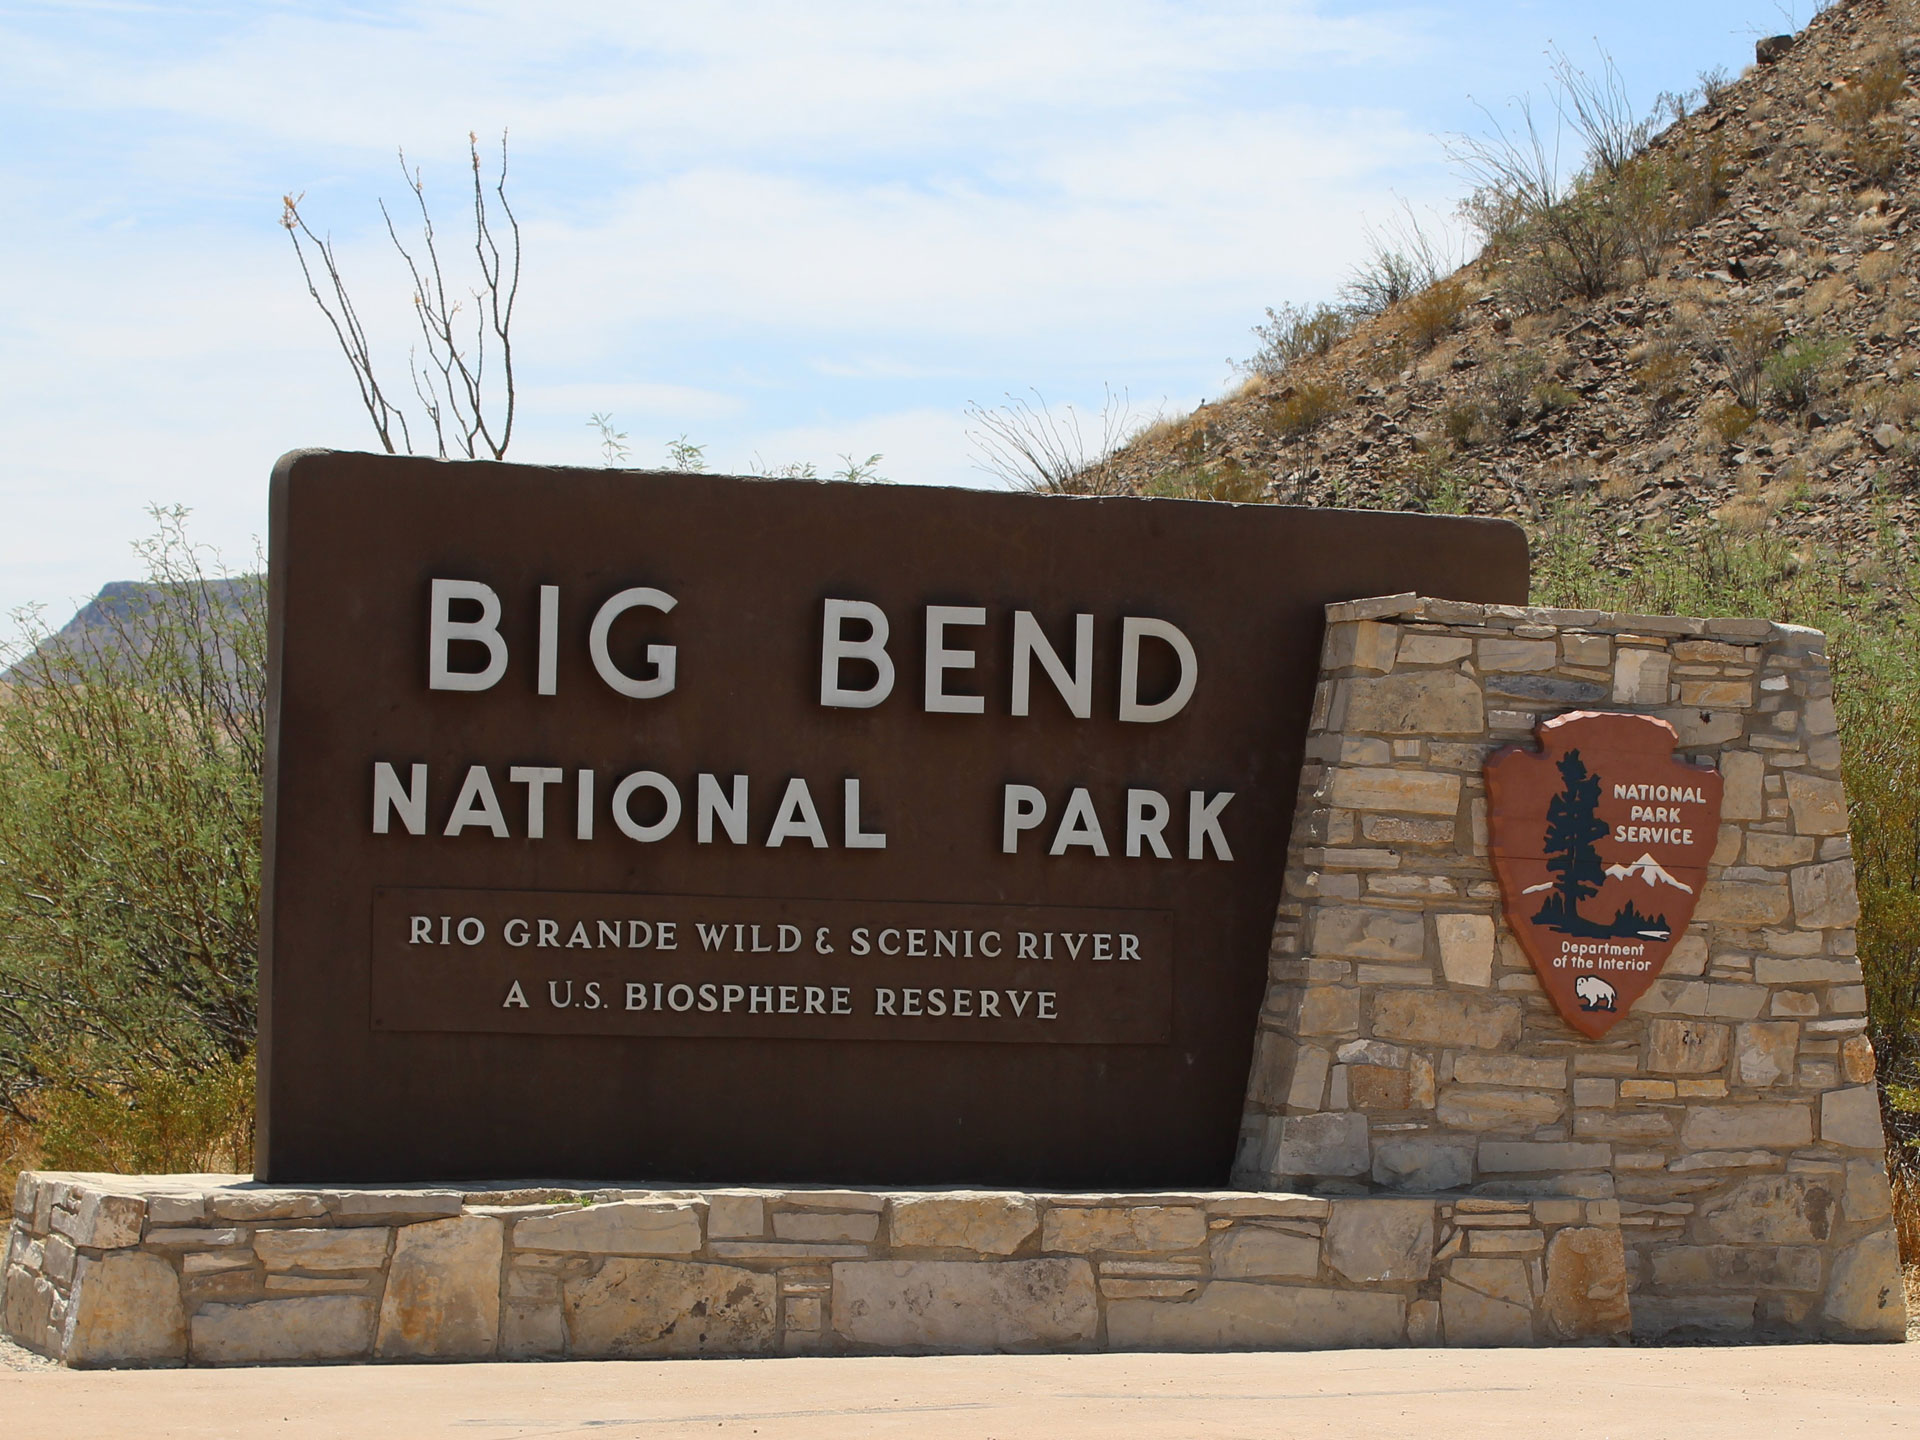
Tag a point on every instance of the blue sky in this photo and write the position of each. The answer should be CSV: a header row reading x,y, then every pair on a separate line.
x,y
787,231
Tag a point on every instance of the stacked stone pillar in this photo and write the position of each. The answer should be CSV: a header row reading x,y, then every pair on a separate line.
x,y
1730,1121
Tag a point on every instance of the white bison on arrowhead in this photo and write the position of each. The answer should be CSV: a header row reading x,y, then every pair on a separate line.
x,y
1594,993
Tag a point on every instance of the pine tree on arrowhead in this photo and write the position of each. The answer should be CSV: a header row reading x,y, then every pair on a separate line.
x,y
1573,824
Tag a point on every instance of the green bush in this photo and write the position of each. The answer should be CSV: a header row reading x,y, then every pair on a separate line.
x,y
1293,333
130,762
1797,375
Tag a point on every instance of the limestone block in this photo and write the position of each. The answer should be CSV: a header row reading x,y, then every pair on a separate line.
x,y
1756,901
1422,1163
1698,729
1686,1047
442,1296
1742,776
842,1228
1513,1070
1553,1156
1431,649
1865,1295
1775,1210
623,1227
361,1248
1521,1110
1332,1143
1359,932
987,1224
1417,702
1640,677
1374,1240
102,1221
1777,852
1248,1252
27,1315
1415,792
1869,1197
1504,654
638,1307
251,1205
1586,1295
1379,1087
173,1210
124,1310
1328,1010
1238,1315
1428,1017
1715,694
967,1306
1764,1053
1308,1084
1857,1061
1851,1118
1724,1315
1737,1267
1128,1229
1487,1302
263,1332
1740,1127
1769,970
399,1205
736,1216
1466,948
1819,806
531,1330
1360,645
1824,895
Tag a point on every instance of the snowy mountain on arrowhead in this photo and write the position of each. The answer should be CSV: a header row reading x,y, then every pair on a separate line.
x,y
1649,870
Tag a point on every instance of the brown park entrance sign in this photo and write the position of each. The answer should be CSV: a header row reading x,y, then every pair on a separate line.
x,y
689,828
1601,840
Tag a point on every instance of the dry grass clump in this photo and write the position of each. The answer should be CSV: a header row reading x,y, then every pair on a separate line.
x,y
1727,423
1434,312
1303,408
1876,271
1871,93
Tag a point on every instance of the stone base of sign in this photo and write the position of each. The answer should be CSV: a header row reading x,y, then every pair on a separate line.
x,y
1731,1116
216,1270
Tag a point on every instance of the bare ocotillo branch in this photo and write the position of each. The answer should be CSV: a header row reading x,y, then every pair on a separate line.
x,y
466,393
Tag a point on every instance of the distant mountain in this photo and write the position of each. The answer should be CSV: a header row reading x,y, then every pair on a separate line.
x,y
114,622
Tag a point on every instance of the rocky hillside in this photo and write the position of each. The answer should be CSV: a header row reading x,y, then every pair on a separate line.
x,y
1746,355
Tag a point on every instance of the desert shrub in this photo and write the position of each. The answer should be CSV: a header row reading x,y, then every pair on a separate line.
x,y
1745,347
1562,235
1871,93
1429,482
1874,150
1434,312
1728,422
1797,374
130,757
1305,407
1551,395
1462,423
1225,480
1404,258
1294,333
1660,373
1028,445
1508,387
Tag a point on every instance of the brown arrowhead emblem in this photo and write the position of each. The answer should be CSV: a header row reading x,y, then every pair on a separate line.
x,y
1600,840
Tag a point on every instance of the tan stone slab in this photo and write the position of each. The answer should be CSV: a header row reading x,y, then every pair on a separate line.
x,y
1413,792
986,1223
1130,1229
636,1307
1242,1315
307,1328
442,1297
962,1306
624,1227
124,1309
361,1248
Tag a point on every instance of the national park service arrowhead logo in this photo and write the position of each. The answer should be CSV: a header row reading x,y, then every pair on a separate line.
x,y
1600,840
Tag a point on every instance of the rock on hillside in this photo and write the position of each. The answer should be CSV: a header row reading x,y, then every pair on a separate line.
x,y
1761,371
